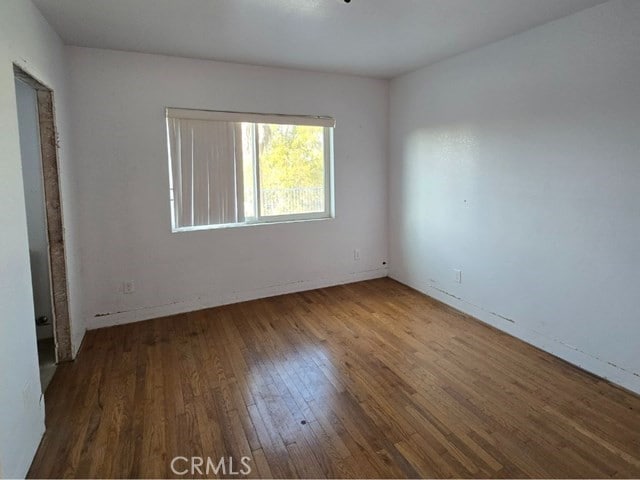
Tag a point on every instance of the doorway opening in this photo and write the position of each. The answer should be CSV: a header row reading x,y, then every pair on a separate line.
x,y
39,154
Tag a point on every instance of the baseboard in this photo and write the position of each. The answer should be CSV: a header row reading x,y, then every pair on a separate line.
x,y
592,364
147,313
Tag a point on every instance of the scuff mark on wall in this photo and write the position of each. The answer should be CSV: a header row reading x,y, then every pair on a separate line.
x,y
106,314
502,317
474,305
572,347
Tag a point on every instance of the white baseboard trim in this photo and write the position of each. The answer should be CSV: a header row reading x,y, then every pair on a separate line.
x,y
598,366
147,313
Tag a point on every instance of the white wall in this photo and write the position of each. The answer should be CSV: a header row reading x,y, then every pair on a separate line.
x,y
518,164
26,39
119,138
33,185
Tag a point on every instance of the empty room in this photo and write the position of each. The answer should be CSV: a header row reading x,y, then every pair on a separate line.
x,y
320,239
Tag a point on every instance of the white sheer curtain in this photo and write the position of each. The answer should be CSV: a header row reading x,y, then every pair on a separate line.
x,y
206,171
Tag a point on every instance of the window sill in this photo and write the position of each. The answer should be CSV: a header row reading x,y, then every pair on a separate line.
x,y
248,224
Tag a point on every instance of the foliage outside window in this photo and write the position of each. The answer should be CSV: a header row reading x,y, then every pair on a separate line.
x,y
226,171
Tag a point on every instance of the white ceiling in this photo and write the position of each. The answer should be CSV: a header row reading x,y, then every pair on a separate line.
x,y
381,38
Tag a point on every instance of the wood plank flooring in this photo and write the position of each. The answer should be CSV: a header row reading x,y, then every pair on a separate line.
x,y
370,379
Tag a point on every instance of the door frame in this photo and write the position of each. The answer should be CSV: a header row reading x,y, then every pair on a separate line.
x,y
53,214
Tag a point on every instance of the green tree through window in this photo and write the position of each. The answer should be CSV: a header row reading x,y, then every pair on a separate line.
x,y
291,168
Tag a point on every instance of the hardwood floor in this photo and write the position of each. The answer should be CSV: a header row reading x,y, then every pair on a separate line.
x,y
364,380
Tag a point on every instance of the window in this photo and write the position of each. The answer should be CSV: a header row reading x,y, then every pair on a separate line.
x,y
230,168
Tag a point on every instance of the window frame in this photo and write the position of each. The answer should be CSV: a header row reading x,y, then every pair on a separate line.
x,y
258,219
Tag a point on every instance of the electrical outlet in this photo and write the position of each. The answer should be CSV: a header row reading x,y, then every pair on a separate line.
x,y
356,254
458,275
128,287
